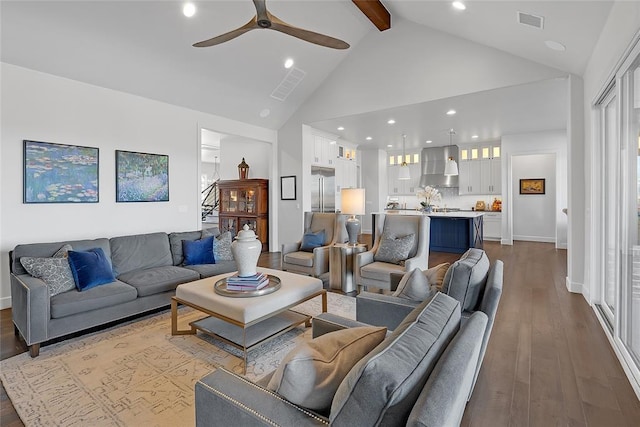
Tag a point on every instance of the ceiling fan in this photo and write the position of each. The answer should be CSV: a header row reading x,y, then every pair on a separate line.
x,y
266,20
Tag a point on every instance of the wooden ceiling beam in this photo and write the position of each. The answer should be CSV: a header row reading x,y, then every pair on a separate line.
x,y
376,12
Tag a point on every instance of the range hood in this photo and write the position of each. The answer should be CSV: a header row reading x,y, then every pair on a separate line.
x,y
432,166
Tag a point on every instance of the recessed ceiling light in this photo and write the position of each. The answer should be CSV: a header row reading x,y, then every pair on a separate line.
x,y
189,9
555,45
389,145
459,5
368,138
340,127
265,113
288,63
451,112
474,136
429,141
391,121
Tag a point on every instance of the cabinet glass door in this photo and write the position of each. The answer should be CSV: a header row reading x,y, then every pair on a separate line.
x,y
229,224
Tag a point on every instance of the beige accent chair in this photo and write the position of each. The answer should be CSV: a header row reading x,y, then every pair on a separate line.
x,y
315,263
369,272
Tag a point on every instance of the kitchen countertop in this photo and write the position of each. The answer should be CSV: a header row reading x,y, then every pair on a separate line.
x,y
455,214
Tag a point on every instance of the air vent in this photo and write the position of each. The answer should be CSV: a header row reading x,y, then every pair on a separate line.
x,y
288,84
531,20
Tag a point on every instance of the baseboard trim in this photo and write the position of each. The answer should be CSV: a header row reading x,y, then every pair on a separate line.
x,y
535,239
5,302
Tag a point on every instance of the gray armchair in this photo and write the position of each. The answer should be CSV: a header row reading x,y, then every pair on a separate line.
x,y
471,280
369,271
315,263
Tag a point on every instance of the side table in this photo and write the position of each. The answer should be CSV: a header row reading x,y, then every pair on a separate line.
x,y
341,257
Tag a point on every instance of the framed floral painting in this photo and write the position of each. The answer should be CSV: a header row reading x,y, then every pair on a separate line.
x,y
142,177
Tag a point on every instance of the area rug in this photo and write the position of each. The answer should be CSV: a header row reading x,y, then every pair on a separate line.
x,y
137,374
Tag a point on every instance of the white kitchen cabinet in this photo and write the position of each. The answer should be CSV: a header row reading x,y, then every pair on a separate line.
x,y
399,187
325,151
490,179
346,177
469,176
492,226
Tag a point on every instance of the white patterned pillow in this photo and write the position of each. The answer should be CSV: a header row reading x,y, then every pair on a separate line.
x,y
222,247
55,271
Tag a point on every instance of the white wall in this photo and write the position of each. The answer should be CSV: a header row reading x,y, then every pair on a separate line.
x,y
391,69
374,183
619,31
43,107
534,215
552,142
256,154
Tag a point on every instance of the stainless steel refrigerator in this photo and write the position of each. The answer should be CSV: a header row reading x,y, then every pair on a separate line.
x,y
323,189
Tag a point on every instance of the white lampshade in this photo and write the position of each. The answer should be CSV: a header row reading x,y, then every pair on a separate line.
x,y
353,201
403,173
451,167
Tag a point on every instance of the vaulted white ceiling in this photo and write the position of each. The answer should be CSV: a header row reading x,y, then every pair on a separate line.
x,y
144,47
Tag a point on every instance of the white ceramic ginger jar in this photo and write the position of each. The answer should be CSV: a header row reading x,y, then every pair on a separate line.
x,y
246,251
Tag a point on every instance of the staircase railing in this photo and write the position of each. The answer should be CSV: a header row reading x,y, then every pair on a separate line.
x,y
211,200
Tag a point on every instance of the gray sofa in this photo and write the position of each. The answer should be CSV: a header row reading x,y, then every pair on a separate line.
x,y
421,374
147,267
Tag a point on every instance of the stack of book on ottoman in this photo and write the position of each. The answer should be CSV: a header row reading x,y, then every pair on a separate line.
x,y
247,283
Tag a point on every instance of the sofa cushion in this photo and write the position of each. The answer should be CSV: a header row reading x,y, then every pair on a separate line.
x,y
304,259
311,373
45,250
208,270
380,271
74,302
382,388
198,251
155,280
90,268
312,240
175,242
466,278
414,286
140,251
393,249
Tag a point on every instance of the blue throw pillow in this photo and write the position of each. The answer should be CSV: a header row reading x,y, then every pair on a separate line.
x,y
198,251
312,240
90,268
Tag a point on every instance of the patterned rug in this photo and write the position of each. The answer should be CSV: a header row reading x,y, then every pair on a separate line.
x,y
137,374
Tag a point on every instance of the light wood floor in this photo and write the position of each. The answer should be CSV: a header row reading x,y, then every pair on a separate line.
x,y
548,362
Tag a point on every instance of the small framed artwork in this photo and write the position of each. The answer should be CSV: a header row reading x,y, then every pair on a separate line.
x,y
58,173
142,177
532,186
288,187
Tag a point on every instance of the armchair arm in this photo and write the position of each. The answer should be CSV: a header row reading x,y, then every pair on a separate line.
x,y
30,307
328,322
360,261
290,247
224,398
383,310
419,261
320,260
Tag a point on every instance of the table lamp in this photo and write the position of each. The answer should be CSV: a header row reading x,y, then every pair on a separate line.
x,y
353,204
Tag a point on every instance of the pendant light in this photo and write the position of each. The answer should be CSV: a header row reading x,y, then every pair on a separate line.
x,y
451,167
403,173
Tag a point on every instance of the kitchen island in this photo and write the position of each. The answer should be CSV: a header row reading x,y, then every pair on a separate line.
x,y
453,232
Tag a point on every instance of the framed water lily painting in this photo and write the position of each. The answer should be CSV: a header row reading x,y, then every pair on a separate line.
x,y
59,173
142,177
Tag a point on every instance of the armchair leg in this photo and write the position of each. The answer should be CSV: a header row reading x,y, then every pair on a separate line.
x,y
34,350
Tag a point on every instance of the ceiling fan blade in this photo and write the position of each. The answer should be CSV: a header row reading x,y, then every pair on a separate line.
x,y
306,35
251,25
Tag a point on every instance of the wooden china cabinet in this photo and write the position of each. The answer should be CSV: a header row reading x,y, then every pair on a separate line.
x,y
245,201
